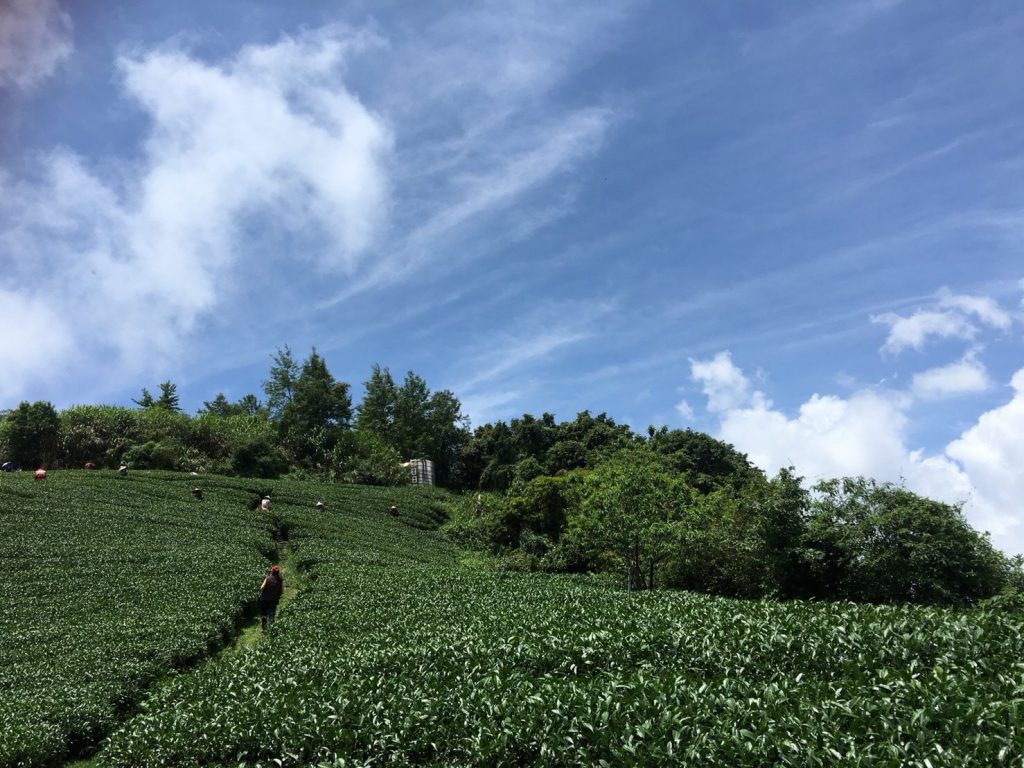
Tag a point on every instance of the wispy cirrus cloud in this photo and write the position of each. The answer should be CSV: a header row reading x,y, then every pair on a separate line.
x,y
135,266
282,142
35,37
513,360
516,349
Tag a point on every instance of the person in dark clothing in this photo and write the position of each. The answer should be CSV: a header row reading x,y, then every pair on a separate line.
x,y
270,596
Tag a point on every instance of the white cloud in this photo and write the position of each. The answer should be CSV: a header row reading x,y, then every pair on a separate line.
x,y
535,339
35,37
37,339
557,148
992,454
951,319
963,377
724,384
685,410
131,271
866,434
982,307
273,146
914,331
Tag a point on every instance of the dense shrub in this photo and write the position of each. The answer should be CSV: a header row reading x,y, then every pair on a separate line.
x,y
32,434
879,542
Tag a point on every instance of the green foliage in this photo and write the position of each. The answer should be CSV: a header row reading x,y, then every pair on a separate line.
x,y
98,433
280,387
32,434
566,455
154,455
632,509
415,422
531,509
376,413
168,399
248,405
259,457
316,414
145,399
706,463
878,542
490,457
109,583
393,654
366,458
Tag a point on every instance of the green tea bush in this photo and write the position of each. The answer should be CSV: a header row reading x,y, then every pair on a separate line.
x,y
393,655
109,583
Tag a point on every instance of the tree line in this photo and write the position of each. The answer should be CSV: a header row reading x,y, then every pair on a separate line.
x,y
663,508
678,508
305,424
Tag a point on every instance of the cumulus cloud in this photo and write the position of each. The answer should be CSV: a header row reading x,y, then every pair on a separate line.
x,y
725,385
962,377
266,169
992,454
954,317
27,356
986,309
915,330
134,267
35,37
685,410
866,434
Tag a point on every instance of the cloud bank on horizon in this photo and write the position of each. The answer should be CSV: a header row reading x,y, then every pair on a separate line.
x,y
542,208
865,433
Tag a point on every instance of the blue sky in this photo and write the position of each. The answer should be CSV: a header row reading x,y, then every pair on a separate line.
x,y
795,226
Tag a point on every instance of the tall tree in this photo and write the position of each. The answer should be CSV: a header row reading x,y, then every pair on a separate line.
x,y
376,413
879,542
319,409
168,399
219,406
411,417
280,387
447,432
250,405
631,506
145,399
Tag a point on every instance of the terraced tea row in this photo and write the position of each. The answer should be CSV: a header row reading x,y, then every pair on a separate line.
x,y
392,656
113,581
110,582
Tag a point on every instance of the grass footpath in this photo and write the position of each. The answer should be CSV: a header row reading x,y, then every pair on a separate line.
x,y
252,634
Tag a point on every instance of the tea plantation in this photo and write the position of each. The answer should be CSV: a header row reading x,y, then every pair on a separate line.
x,y
393,654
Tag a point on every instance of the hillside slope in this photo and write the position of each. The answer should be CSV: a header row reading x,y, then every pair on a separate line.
x,y
394,654
111,582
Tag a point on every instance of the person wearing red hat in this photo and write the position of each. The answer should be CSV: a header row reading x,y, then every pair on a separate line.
x,y
270,596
